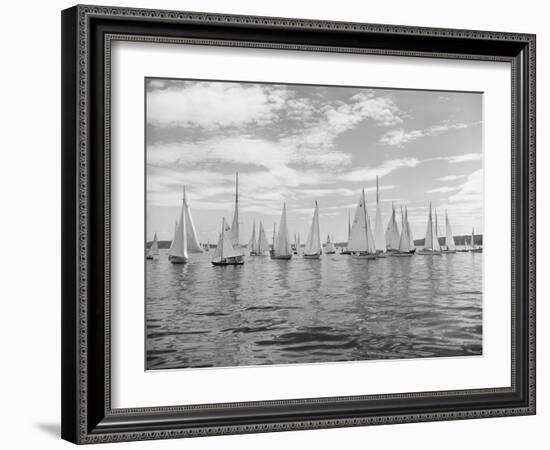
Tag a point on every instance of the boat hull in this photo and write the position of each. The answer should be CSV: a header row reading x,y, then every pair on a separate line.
x,y
316,256
238,261
399,254
364,256
477,250
149,257
428,253
178,259
345,252
282,257
445,252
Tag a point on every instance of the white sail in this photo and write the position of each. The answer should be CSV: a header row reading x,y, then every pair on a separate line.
x,y
371,244
154,249
409,231
379,236
174,238
429,238
313,242
298,245
274,237
361,237
282,243
193,245
218,250
404,240
436,231
449,239
472,241
392,232
179,249
431,242
252,243
329,246
235,223
357,241
226,247
263,245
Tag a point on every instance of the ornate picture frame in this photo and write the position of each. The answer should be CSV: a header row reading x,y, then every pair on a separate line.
x,y
88,33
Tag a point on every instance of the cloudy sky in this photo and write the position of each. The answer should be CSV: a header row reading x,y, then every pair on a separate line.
x,y
299,143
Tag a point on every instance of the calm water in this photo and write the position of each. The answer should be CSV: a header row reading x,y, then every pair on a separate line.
x,y
337,308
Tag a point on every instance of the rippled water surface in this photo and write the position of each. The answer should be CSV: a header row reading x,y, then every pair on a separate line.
x,y
301,311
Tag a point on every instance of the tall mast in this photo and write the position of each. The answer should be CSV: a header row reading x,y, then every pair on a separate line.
x,y
365,217
436,227
223,231
235,224
431,226
376,189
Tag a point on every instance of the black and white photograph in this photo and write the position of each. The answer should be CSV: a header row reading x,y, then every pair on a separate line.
x,y
293,224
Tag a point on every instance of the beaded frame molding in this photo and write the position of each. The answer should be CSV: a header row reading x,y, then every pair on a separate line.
x,y
87,35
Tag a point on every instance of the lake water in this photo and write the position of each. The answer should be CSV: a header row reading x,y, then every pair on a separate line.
x,y
337,308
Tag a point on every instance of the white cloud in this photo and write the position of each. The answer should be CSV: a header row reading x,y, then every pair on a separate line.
x,y
463,158
316,193
441,190
451,178
400,137
470,190
370,173
214,105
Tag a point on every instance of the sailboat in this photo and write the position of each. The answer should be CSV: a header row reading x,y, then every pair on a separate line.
x,y
154,249
392,233
252,243
450,246
361,242
347,251
329,246
281,245
235,223
405,248
185,238
379,236
298,245
474,248
263,245
465,247
227,253
313,248
431,241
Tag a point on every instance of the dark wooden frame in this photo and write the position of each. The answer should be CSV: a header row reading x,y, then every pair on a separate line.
x,y
87,32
